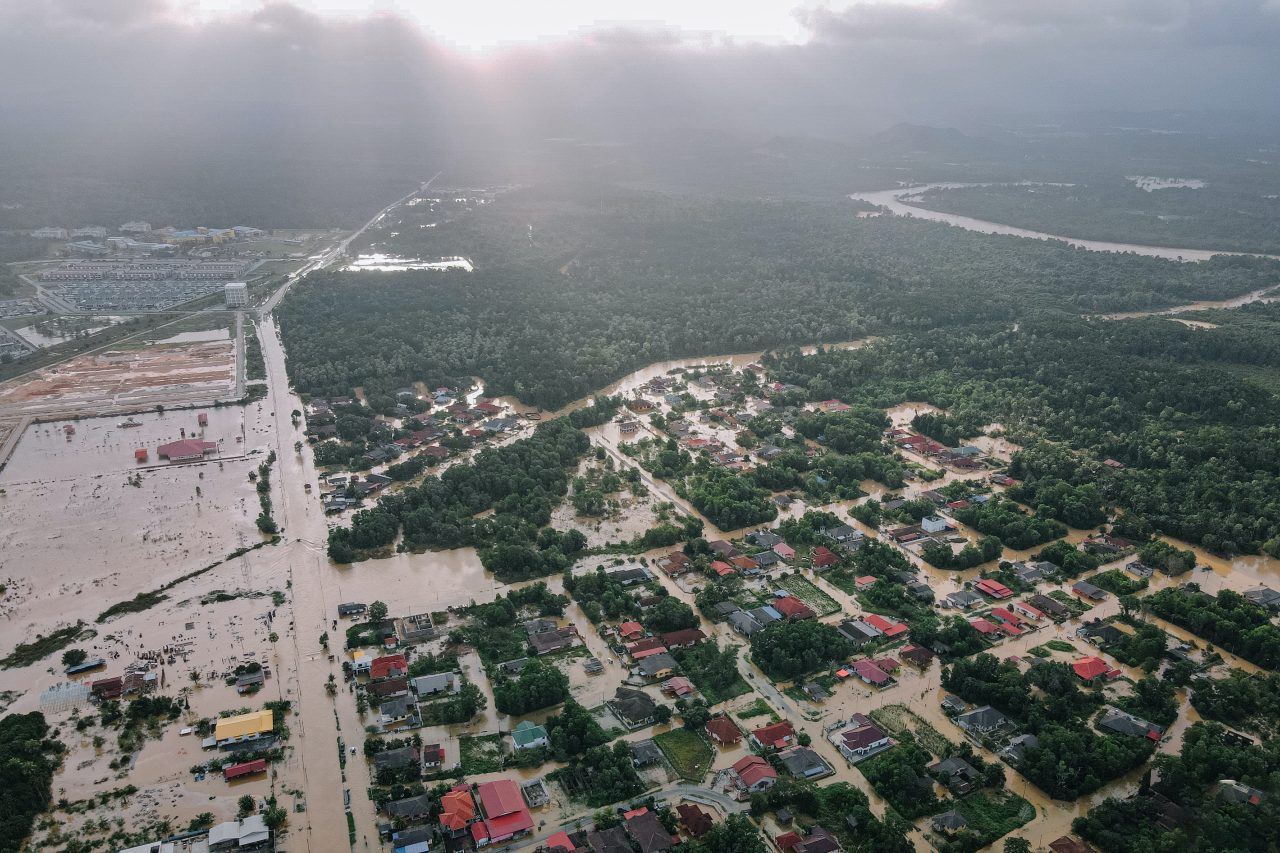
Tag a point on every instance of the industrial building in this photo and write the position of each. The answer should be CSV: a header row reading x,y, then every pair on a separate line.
x,y
237,294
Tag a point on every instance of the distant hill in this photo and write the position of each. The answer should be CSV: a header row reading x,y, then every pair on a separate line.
x,y
908,138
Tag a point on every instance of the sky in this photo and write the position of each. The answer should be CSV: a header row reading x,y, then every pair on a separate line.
x,y
365,76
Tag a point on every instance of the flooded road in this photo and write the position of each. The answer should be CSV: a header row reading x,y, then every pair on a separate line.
x,y
904,201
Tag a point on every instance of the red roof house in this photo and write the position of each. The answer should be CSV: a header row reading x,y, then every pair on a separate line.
x,y
995,589
793,608
647,646
722,568
390,666
561,840
755,773
724,731
865,582
746,564
682,638
823,557
1089,668
785,551
884,626
776,735
457,809
186,450
984,627
504,810
631,630
870,673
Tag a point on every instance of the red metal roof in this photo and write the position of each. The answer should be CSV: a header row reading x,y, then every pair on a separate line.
x,y
868,671
754,769
384,667
458,809
1089,668
793,608
723,730
237,770
774,734
500,797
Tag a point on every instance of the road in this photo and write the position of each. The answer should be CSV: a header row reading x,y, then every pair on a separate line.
x,y
319,720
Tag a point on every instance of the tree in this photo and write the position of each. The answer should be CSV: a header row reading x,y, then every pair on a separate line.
x,y
1129,604
246,805
324,640
377,612
74,657
662,715
274,818
1017,845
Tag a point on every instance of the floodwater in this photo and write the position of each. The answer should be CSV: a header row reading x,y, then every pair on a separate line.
x,y
904,201
378,262
1149,183
1265,294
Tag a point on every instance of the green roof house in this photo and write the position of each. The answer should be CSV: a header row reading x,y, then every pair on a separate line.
x,y
527,735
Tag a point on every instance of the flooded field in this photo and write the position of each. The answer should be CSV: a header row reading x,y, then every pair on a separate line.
x,y
378,262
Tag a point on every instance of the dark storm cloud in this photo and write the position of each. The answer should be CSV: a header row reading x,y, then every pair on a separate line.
x,y
125,70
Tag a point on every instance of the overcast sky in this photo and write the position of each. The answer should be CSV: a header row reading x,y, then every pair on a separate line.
x,y
606,69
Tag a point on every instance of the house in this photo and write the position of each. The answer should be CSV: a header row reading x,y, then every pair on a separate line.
x,y
724,731
721,568
952,704
388,666
248,833
864,739
1099,633
649,833
793,608
920,591
677,687
394,759
957,774
985,627
432,756
243,728
415,840
1264,597
884,626
744,564
556,640
186,450
916,655
842,534
784,551
963,599
764,538
993,588
695,822
410,808
1051,607
633,708
818,840
982,720
803,763
864,582
1090,668
1017,748
766,559
934,524
723,548
683,638
641,649
1024,609
611,840
1084,589
870,673
528,735
823,558
1006,616
457,810
657,666
774,736
389,688
645,753
857,632
948,822
630,576
1119,722
675,563
752,773
395,710
1237,792
630,630
744,623
416,628
766,615
505,814
437,683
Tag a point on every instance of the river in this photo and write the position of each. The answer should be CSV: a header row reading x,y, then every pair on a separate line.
x,y
904,202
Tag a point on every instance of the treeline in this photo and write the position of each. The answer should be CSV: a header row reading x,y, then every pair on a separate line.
x,y
521,482
643,269
787,650
1007,522
1199,443
28,757
1228,621
1071,759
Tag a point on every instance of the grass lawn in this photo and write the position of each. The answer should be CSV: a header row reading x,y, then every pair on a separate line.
x,y
482,754
688,753
993,814
1074,604
841,579
758,708
803,589
1118,582
1060,646
896,718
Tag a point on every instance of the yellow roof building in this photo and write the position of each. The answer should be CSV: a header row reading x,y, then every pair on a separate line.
x,y
243,725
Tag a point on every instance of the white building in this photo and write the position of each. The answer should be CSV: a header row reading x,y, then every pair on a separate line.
x,y
50,234
135,228
237,294
933,524
95,231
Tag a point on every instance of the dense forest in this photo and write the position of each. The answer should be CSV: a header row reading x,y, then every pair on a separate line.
x,y
28,757
575,287
1199,444
1210,217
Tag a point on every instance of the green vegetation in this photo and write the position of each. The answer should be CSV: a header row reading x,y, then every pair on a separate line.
x,y
456,708
1144,648
28,757
714,671
688,753
899,775
802,588
264,521
786,650
1228,621
1006,521
758,708
573,731
25,654
600,776
1069,559
1213,823
521,482
539,685
829,806
941,555
735,834
991,815
480,754
600,596
1241,700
